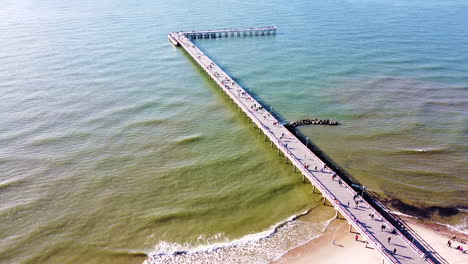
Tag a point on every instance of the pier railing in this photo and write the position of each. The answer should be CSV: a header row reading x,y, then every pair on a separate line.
x,y
259,31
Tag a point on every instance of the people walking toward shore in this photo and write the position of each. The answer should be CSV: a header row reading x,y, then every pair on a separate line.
x,y
394,251
389,239
356,237
449,243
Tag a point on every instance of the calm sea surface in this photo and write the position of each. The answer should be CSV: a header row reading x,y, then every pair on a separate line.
x,y
113,145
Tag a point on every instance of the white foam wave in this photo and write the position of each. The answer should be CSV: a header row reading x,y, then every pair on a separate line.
x,y
402,214
459,228
262,247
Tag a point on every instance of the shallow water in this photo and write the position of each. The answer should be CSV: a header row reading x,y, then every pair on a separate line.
x,y
113,144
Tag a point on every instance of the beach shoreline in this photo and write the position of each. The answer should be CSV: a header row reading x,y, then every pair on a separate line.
x,y
338,245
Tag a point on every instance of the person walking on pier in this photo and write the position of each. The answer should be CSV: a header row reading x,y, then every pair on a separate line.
x,y
394,251
389,239
356,238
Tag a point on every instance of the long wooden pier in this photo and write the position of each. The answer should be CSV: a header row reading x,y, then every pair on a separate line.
x,y
379,231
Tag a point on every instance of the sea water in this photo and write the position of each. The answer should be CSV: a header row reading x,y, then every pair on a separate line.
x,y
115,147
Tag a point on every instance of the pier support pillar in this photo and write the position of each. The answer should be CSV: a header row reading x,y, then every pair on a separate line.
x,y
294,168
303,178
338,215
286,159
313,188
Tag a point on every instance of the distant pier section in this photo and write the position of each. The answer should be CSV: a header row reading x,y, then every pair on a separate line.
x,y
373,221
212,34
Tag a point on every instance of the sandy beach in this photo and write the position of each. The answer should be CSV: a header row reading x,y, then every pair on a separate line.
x,y
338,245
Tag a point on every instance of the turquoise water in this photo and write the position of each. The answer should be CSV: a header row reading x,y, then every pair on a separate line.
x,y
113,145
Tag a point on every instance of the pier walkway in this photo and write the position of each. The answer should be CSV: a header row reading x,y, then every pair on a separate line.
x,y
330,184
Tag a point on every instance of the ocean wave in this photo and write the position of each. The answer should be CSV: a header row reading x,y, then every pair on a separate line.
x,y
175,215
123,111
136,108
460,228
403,214
59,138
444,103
262,247
10,182
424,151
144,123
188,139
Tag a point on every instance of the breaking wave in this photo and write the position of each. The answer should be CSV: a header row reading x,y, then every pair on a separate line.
x,y
262,247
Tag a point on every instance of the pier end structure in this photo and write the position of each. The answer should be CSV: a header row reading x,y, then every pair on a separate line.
x,y
211,34
334,189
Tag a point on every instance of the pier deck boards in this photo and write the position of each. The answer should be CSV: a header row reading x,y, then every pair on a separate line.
x,y
338,195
